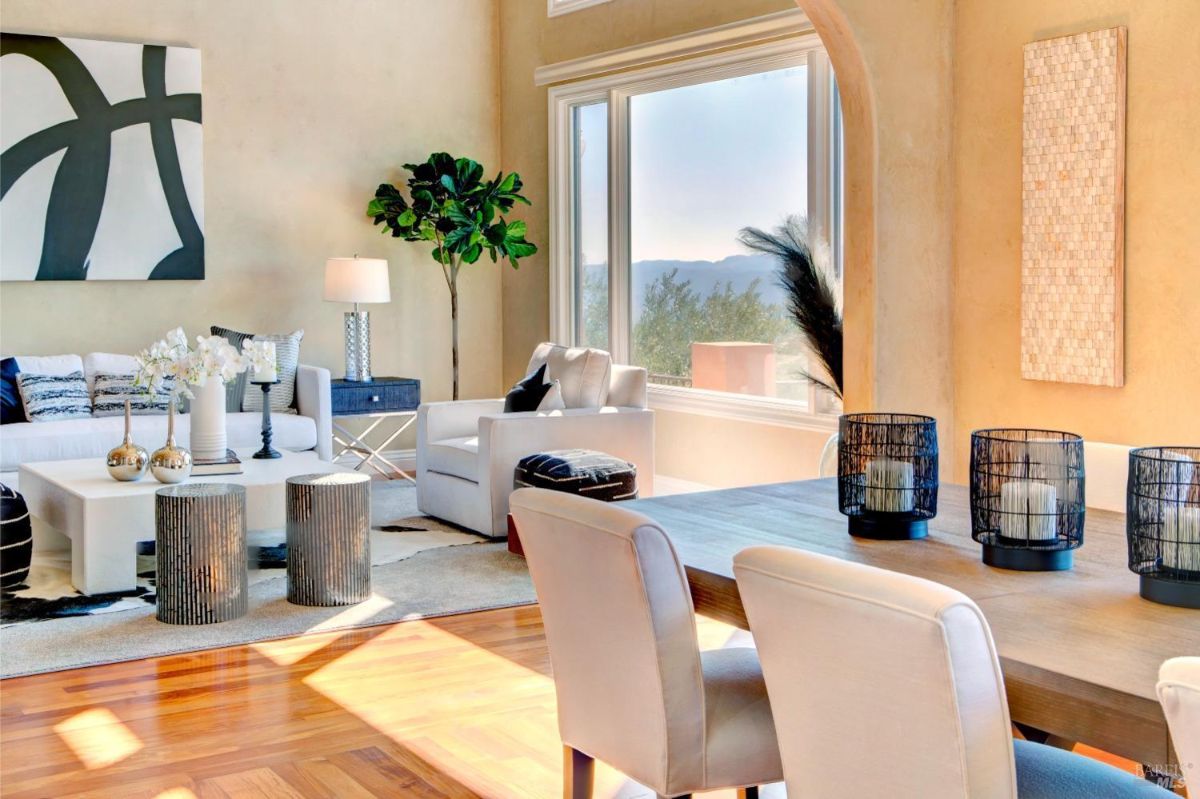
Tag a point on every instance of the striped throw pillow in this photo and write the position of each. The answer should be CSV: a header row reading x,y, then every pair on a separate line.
x,y
50,398
112,390
287,359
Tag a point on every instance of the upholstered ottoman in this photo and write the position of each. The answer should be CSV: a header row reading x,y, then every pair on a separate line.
x,y
16,538
585,472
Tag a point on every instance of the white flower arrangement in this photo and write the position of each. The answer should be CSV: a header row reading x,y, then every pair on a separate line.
x,y
212,357
260,357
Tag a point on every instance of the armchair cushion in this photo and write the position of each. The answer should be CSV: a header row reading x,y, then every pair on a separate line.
x,y
455,456
583,373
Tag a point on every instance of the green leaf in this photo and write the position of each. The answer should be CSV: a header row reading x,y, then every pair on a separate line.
x,y
516,229
471,254
520,249
448,182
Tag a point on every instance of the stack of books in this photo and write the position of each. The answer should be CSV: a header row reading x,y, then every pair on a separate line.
x,y
204,467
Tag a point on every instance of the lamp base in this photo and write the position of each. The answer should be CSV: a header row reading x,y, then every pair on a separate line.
x,y
358,346
1028,560
882,528
1170,592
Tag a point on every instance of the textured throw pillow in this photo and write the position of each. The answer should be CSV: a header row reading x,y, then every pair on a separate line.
x,y
528,393
11,409
235,390
111,391
287,359
51,398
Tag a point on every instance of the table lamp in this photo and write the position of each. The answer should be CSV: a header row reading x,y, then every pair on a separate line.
x,y
357,280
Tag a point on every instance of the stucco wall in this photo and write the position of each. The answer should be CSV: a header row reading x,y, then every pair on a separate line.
x,y
308,105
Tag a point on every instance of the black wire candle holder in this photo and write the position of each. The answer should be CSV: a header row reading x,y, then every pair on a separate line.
x,y
887,474
1162,523
1027,497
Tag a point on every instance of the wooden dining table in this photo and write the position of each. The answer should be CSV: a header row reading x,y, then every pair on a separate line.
x,y
1080,649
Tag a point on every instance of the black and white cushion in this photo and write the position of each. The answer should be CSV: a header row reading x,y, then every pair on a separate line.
x,y
111,391
287,361
579,471
16,538
527,394
51,398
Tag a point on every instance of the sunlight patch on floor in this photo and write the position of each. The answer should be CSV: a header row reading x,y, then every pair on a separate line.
x,y
288,651
98,738
491,698
176,793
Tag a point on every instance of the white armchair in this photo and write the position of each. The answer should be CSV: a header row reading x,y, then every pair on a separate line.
x,y
467,451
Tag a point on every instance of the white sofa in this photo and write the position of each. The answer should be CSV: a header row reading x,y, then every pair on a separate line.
x,y
311,427
467,451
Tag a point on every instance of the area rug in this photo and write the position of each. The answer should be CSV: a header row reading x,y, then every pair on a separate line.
x,y
421,568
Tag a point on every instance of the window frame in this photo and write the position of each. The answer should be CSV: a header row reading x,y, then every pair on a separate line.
x,y
804,49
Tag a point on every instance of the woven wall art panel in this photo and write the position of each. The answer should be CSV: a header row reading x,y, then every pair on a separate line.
x,y
1073,209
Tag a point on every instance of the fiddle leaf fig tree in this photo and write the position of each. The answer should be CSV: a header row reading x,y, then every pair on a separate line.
x,y
451,205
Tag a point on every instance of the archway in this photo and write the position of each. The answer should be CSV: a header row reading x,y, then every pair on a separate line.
x,y
893,66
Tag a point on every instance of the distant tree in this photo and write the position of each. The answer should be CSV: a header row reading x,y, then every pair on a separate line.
x,y
662,336
674,315
595,306
740,316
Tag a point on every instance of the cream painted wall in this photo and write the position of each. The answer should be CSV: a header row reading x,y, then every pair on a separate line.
x,y
698,448
308,105
1160,402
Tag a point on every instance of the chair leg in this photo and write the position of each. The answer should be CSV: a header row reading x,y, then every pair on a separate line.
x,y
749,792
578,771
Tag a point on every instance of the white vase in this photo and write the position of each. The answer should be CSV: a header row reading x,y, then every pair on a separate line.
x,y
208,437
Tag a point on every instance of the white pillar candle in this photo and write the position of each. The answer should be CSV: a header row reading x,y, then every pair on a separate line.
x,y
267,374
1179,477
1028,510
890,486
1180,545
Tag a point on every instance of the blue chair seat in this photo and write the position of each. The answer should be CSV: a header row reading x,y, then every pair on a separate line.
x,y
1046,772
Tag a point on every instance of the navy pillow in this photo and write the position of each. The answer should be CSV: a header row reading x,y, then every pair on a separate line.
x,y
11,407
527,394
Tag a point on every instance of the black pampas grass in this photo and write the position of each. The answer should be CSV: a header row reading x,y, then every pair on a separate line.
x,y
811,290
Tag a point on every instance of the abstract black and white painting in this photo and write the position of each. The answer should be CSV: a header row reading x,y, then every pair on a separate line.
x,y
101,160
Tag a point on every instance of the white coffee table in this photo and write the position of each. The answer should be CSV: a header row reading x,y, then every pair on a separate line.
x,y
106,519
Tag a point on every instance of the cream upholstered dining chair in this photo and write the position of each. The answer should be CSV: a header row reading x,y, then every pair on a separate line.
x,y
885,684
1179,693
634,690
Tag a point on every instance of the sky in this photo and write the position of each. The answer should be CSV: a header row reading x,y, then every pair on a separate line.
x,y
705,161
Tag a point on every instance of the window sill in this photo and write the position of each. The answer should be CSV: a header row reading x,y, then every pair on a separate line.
x,y
741,407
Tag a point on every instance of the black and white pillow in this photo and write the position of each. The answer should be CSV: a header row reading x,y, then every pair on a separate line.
x,y
534,393
111,391
51,398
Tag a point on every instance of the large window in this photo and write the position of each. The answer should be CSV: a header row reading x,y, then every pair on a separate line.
x,y
655,174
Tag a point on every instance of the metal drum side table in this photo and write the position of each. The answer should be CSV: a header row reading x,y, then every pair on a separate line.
x,y
329,539
200,532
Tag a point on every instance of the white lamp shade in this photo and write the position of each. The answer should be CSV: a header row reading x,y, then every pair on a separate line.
x,y
357,280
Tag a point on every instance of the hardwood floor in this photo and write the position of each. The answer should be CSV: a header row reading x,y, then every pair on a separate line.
x,y
461,706
455,707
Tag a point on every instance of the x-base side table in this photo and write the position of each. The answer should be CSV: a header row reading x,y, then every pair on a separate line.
x,y
378,399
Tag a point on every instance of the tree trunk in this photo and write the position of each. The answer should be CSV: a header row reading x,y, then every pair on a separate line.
x,y
454,332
